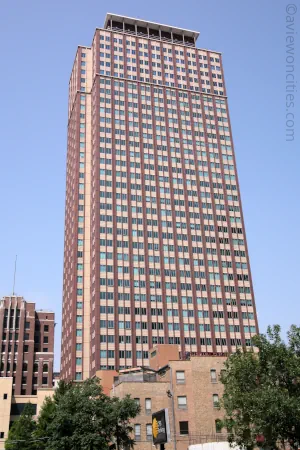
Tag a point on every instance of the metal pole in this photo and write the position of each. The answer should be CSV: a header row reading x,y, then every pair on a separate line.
x,y
13,293
173,407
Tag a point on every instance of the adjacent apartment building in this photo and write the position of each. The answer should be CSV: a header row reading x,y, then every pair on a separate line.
x,y
188,388
155,248
26,345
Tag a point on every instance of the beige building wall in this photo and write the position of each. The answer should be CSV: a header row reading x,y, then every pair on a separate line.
x,y
203,389
41,395
199,384
159,400
5,402
87,224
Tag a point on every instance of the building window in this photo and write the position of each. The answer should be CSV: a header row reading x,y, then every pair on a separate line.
x,y
18,408
215,400
182,403
148,405
34,380
45,349
137,401
149,432
213,375
4,396
180,377
27,325
45,367
25,366
26,348
137,432
24,380
46,328
1,434
183,427
78,376
45,380
218,423
45,341
35,367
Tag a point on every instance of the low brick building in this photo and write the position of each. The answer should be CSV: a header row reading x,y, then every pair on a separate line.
x,y
189,387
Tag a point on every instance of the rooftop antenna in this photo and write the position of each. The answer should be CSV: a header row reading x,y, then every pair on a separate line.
x,y
13,293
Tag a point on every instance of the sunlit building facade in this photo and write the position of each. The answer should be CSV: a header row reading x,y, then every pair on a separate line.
x,y
155,244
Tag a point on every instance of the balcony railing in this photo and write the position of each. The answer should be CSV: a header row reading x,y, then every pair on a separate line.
x,y
135,378
187,42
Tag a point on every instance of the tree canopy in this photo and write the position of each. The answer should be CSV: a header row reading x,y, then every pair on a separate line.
x,y
81,416
20,435
262,391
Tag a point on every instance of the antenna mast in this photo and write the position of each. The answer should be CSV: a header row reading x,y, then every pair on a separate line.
x,y
13,293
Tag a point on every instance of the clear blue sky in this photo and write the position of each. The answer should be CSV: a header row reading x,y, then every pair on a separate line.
x,y
39,40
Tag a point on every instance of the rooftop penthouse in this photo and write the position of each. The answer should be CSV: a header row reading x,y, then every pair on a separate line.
x,y
150,30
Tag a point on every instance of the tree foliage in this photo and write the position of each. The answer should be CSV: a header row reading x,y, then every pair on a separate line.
x,y
86,418
21,432
47,414
80,416
262,391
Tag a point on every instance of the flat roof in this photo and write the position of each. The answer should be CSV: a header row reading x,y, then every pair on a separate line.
x,y
154,25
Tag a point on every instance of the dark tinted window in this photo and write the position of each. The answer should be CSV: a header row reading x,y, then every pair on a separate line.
x,y
184,427
17,408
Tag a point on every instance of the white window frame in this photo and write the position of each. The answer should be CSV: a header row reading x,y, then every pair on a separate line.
x,y
181,378
180,399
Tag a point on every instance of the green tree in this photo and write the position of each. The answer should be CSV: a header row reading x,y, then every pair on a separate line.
x,y
121,411
45,418
47,414
262,391
20,434
85,418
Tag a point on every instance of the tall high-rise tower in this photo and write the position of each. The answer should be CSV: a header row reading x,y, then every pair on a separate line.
x,y
155,245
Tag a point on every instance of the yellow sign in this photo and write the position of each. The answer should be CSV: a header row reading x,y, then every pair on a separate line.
x,y
160,427
155,428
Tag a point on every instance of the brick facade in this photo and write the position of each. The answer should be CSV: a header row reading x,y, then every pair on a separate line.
x,y
198,385
155,243
26,345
